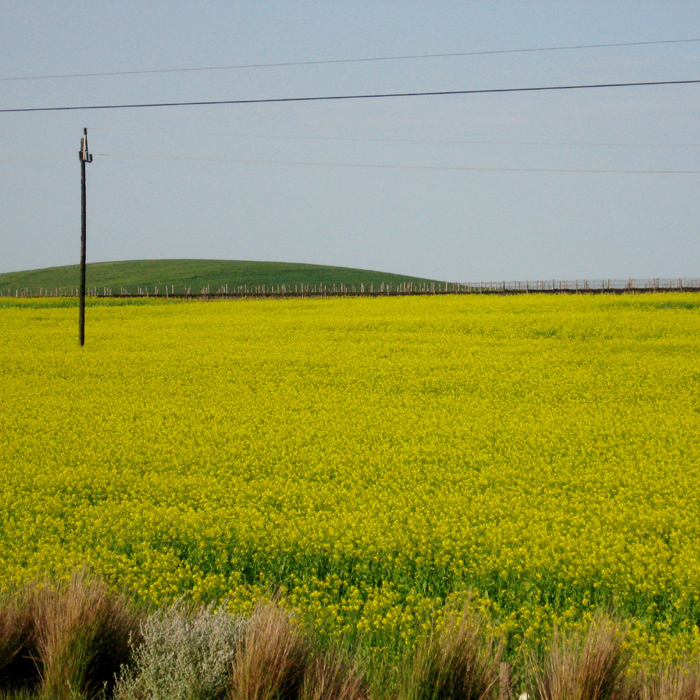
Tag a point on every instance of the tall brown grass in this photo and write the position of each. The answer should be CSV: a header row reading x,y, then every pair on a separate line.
x,y
83,633
273,658
19,657
678,681
594,666
335,675
458,662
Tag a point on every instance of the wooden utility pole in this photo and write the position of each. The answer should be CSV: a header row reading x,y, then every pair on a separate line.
x,y
85,157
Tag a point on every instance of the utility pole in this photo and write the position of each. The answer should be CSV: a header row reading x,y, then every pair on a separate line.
x,y
85,157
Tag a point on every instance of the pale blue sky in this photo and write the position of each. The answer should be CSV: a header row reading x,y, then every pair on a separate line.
x,y
453,225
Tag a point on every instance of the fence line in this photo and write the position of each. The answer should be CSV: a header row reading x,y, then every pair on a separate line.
x,y
603,286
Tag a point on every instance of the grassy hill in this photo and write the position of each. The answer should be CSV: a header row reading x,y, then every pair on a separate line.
x,y
195,273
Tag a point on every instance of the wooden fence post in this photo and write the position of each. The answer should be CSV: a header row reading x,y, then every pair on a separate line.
x,y
504,681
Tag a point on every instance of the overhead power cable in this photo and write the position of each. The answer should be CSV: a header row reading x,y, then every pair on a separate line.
x,y
360,139
328,98
385,140
45,156
346,60
37,133
146,156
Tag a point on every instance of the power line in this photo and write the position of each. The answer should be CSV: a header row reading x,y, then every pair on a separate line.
x,y
154,156
45,156
385,140
37,133
326,98
360,139
346,60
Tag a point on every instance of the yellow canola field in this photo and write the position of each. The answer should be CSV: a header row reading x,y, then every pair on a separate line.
x,y
372,458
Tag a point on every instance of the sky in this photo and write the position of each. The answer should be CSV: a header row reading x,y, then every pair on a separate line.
x,y
290,181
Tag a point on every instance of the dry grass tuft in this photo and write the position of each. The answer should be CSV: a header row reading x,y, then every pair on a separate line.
x,y
83,634
18,653
273,659
18,694
459,662
335,676
592,668
680,681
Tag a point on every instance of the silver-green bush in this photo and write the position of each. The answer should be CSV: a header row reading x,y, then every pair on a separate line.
x,y
185,655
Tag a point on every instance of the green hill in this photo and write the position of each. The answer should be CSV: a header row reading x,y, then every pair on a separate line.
x,y
195,274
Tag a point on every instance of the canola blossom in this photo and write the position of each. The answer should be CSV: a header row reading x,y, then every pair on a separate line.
x,y
370,458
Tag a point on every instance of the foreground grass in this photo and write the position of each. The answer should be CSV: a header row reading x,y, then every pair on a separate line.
x,y
76,640
373,460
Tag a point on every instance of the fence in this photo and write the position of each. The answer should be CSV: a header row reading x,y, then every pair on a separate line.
x,y
607,286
